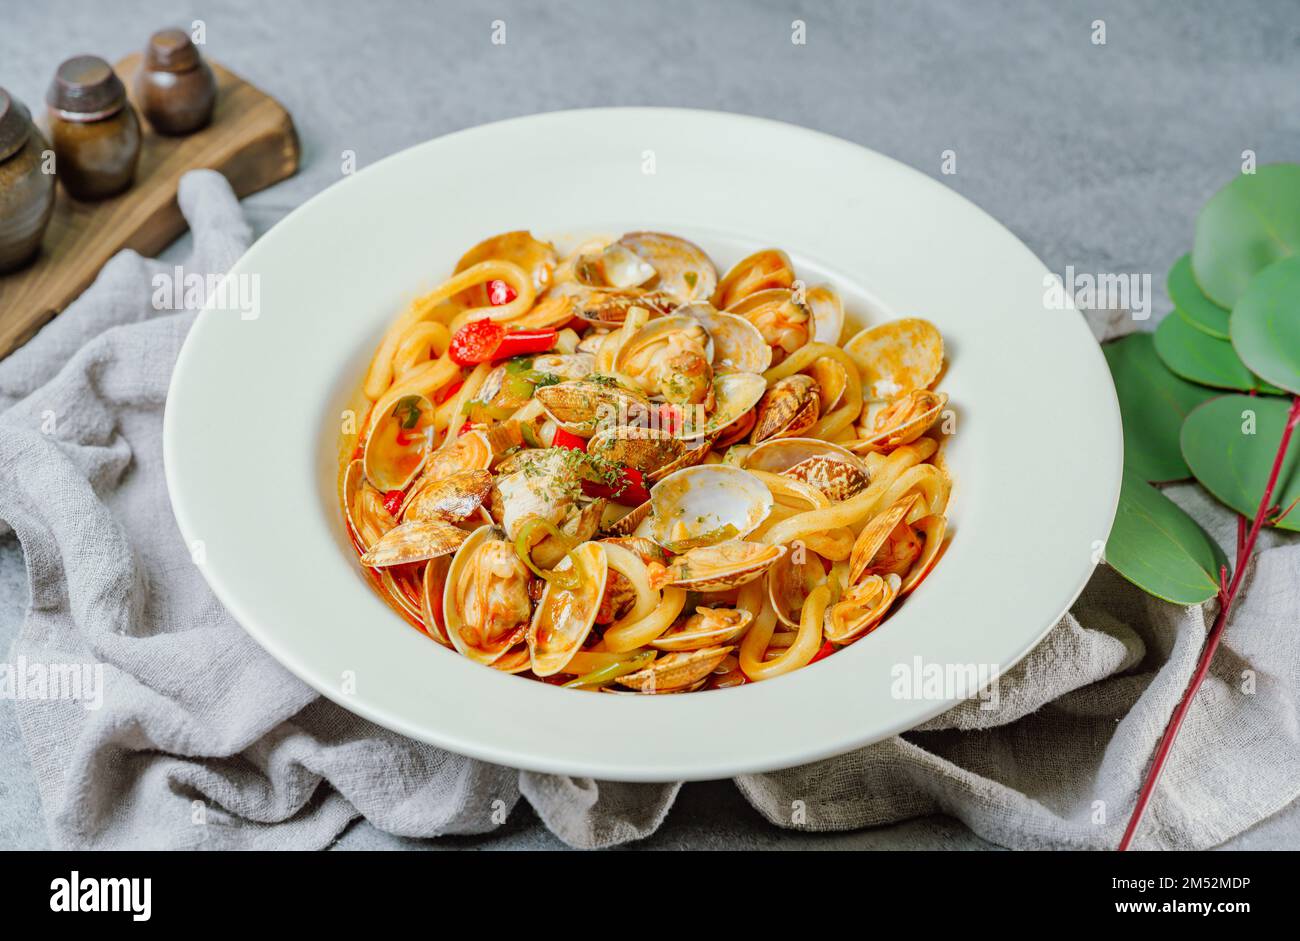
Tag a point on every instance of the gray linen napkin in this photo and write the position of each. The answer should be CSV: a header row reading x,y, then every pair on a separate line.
x,y
202,740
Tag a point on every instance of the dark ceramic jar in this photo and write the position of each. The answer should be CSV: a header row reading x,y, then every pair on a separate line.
x,y
95,131
175,87
26,190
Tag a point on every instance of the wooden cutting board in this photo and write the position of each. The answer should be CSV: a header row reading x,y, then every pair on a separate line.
x,y
251,141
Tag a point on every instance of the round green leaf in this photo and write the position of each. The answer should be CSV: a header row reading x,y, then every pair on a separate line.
x,y
1266,324
1153,403
1159,548
1244,228
1199,357
1230,443
1197,309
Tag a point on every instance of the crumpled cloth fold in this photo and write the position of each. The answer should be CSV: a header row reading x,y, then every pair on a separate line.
x,y
202,740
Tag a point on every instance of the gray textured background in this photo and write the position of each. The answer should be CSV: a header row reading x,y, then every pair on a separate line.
x,y
1096,156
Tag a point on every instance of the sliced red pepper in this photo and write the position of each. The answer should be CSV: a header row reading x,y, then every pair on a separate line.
x,y
827,649
358,453
481,341
499,293
393,502
670,418
564,439
629,491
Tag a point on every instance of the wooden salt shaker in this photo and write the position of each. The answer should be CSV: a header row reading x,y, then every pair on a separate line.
x,y
26,191
175,87
95,131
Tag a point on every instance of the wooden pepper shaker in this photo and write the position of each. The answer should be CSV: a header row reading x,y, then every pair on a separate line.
x,y
175,87
95,131
26,191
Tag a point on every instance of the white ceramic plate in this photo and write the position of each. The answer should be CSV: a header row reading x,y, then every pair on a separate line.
x,y
253,416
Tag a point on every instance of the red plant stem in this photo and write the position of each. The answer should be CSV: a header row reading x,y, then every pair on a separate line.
x,y
1227,595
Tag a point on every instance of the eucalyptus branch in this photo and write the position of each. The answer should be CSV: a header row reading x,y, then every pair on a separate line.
x,y
1227,595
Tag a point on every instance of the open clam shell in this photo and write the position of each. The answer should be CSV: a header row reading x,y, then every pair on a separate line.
x,y
901,421
449,499
604,309
789,582
364,507
832,469
737,344
564,617
718,568
615,266
582,406
734,397
485,601
861,607
780,316
669,356
931,530
431,587
683,269
790,407
897,356
761,271
707,627
706,505
653,452
871,550
398,443
414,541
827,311
675,671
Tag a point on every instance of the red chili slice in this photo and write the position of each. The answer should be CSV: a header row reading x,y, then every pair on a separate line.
x,y
500,293
450,390
481,341
393,502
629,491
564,439
827,649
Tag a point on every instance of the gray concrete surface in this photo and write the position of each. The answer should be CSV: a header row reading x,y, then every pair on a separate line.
x,y
1097,156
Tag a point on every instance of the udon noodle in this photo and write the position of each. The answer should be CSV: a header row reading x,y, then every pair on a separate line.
x,y
614,470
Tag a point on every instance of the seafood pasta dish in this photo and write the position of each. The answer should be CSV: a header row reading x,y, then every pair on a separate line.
x,y
613,469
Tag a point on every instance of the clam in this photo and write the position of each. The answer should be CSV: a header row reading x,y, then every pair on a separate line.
x,y
706,505
675,671
565,365
737,344
669,356
930,530
644,549
450,499
734,396
602,309
886,543
761,271
897,356
533,483
399,443
432,583
367,517
653,452
790,407
789,582
564,617
832,379
832,469
900,421
827,311
780,317
707,627
860,608
615,266
682,269
535,257
485,601
717,568
414,541
581,406
474,450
